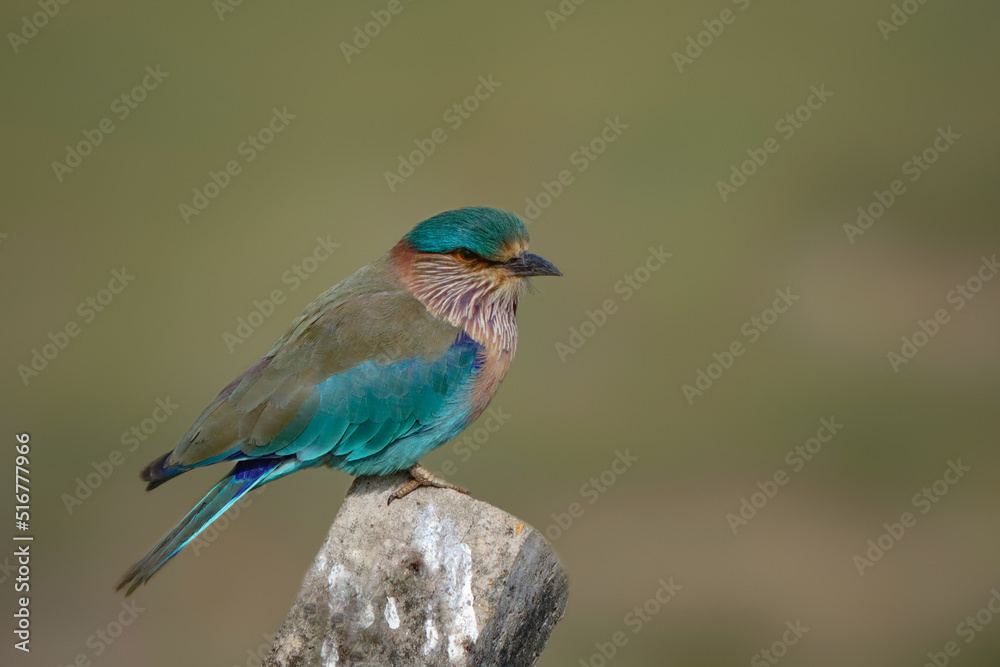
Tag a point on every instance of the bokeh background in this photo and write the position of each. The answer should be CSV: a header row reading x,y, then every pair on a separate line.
x,y
656,184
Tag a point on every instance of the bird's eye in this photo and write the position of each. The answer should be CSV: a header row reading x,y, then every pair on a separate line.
x,y
466,254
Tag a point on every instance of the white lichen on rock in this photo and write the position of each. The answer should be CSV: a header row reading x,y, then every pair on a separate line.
x,y
391,616
329,653
444,553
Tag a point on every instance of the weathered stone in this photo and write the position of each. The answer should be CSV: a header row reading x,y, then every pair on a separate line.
x,y
436,578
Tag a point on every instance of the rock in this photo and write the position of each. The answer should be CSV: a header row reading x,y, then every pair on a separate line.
x,y
436,578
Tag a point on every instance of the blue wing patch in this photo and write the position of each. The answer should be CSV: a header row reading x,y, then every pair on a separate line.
x,y
376,419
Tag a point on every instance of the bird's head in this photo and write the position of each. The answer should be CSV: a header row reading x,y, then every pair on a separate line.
x,y
479,240
469,263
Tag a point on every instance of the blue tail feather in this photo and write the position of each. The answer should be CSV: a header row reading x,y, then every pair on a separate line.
x,y
243,478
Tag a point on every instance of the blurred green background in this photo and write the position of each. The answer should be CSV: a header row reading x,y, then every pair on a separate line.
x,y
655,185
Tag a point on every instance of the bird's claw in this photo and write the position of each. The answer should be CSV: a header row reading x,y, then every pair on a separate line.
x,y
423,477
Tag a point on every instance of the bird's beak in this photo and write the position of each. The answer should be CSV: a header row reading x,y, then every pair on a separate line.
x,y
527,264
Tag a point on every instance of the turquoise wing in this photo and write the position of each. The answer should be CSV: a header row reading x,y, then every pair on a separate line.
x,y
375,419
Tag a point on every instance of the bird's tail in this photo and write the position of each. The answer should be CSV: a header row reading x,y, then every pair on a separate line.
x,y
244,477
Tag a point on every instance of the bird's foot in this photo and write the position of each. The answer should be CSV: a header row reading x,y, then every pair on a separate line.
x,y
423,477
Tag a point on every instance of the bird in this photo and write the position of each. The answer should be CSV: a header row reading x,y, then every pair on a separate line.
x,y
383,367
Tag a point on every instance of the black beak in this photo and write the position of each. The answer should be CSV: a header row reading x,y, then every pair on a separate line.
x,y
527,264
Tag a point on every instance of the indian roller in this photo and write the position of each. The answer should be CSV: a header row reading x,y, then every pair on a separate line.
x,y
377,371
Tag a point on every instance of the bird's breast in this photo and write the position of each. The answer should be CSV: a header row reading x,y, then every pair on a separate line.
x,y
492,366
